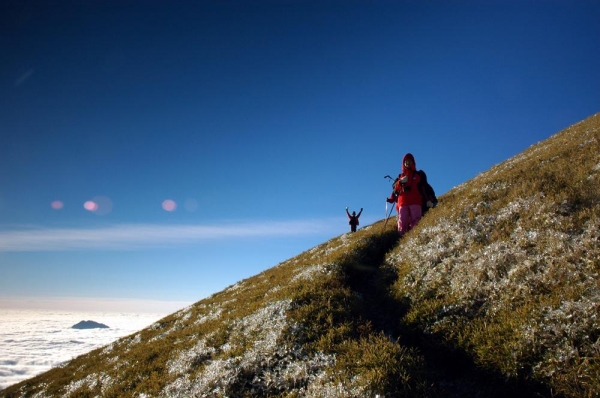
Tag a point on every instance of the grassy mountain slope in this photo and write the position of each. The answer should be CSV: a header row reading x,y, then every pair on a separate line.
x,y
495,293
507,269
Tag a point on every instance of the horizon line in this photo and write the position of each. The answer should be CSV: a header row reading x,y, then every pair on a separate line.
x,y
93,304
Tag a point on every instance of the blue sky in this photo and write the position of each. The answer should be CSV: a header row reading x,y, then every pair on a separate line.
x,y
259,122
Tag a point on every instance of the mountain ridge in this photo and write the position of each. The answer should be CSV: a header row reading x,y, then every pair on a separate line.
x,y
495,292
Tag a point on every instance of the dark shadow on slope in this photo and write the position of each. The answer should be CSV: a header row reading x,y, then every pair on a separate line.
x,y
452,372
372,281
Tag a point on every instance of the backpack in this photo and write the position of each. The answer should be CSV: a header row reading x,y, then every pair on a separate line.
x,y
427,192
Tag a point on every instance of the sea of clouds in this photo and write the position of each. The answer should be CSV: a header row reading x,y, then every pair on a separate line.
x,y
33,341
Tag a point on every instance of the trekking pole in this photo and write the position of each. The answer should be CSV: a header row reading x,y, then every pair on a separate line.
x,y
386,204
388,216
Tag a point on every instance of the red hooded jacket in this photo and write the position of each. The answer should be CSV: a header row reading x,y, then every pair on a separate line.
x,y
408,192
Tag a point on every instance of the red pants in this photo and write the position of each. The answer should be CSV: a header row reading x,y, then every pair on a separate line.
x,y
408,217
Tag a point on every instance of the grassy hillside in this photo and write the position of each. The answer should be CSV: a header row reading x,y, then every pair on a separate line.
x,y
506,269
495,293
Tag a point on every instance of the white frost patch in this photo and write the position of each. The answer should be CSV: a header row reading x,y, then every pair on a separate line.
x,y
309,273
587,142
89,382
194,356
266,364
136,340
273,290
233,288
214,314
108,349
517,207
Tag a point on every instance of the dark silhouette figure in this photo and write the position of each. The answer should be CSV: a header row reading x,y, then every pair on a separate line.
x,y
353,219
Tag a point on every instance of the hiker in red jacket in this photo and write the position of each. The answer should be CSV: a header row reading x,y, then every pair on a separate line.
x,y
407,196
353,219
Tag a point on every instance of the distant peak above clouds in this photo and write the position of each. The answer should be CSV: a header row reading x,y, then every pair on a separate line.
x,y
89,325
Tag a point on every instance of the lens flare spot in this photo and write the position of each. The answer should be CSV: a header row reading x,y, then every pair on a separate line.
x,y
90,205
169,205
57,205
99,205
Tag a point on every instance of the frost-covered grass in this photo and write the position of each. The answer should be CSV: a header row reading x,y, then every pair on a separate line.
x,y
507,267
504,271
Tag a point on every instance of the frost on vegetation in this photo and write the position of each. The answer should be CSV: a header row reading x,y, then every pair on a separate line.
x,y
179,324
332,246
295,372
157,326
134,340
233,288
313,250
263,328
298,371
213,381
309,273
113,359
42,393
273,290
330,249
265,365
587,142
224,303
324,386
89,382
318,250
184,316
494,187
108,349
187,359
453,256
186,311
211,316
517,207
106,382
160,336
569,334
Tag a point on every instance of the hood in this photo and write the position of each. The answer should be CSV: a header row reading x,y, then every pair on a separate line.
x,y
411,157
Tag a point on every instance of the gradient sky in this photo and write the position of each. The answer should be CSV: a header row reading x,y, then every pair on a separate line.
x,y
166,150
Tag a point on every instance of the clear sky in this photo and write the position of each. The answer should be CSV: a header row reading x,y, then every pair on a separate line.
x,y
161,150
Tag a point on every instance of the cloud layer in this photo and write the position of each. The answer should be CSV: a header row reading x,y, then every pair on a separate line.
x,y
32,342
137,236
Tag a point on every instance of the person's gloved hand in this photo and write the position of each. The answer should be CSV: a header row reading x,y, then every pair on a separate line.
x,y
404,180
346,207
361,209
390,200
429,203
